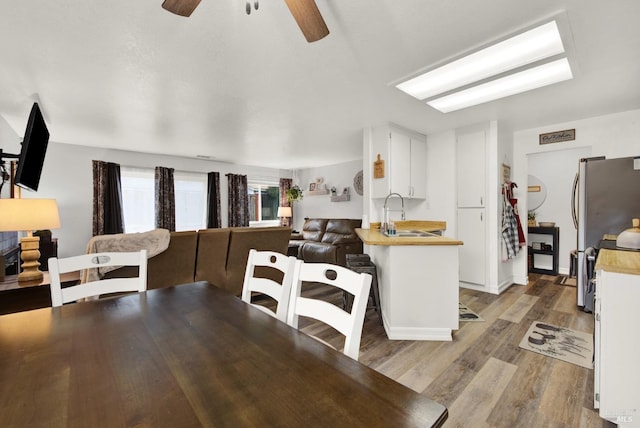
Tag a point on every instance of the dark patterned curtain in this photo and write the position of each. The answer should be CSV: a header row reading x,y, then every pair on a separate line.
x,y
165,199
238,200
107,199
285,184
213,200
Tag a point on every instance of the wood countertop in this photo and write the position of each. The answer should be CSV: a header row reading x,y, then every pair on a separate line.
x,y
374,237
619,261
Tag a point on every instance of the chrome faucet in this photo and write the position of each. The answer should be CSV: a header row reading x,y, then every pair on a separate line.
x,y
387,210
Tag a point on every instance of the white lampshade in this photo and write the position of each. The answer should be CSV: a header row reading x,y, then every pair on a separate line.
x,y
284,212
28,214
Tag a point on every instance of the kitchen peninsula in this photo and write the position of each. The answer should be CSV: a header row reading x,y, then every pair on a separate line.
x,y
418,279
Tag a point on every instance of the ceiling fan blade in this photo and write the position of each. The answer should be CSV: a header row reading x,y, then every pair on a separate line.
x,y
181,7
308,17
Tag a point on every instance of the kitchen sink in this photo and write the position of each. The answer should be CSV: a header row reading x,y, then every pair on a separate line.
x,y
413,234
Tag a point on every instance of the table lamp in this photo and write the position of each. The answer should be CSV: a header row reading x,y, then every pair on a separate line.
x,y
27,215
284,212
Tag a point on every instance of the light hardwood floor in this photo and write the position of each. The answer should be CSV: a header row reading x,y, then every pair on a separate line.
x,y
482,376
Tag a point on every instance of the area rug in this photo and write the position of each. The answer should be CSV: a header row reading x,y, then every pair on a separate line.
x,y
565,344
565,280
466,314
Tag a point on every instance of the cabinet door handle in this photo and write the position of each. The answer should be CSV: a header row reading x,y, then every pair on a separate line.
x,y
480,216
480,200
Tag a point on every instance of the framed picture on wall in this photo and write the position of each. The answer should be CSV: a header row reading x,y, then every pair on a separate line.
x,y
312,187
506,173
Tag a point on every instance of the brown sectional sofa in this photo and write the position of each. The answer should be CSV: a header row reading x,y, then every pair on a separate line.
x,y
325,240
218,256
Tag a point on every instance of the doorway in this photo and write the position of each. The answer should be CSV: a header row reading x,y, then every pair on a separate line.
x,y
555,171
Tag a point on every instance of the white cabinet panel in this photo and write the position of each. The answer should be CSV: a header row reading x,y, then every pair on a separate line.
x,y
405,157
471,169
617,346
418,168
472,231
400,160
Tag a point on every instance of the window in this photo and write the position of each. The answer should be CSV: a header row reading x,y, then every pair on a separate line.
x,y
264,199
138,199
191,200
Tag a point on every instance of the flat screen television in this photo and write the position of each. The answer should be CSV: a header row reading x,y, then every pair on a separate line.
x,y
34,148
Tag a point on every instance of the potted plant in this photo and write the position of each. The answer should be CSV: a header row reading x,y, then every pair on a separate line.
x,y
294,193
531,218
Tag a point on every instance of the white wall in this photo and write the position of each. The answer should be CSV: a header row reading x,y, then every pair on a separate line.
x,y
504,155
320,206
613,136
67,176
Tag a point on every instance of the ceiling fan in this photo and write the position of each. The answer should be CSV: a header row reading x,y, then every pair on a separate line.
x,y
305,12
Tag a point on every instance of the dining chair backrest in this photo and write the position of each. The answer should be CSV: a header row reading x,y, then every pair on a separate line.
x,y
347,323
280,292
58,266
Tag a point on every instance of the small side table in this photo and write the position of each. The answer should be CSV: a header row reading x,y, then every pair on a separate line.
x,y
18,297
553,235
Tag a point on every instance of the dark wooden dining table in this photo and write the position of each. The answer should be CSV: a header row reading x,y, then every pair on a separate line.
x,y
190,355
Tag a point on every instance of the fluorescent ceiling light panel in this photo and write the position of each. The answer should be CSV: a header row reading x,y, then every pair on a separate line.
x,y
526,48
536,77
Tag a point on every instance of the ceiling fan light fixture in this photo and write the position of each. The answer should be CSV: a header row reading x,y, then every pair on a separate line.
x,y
256,5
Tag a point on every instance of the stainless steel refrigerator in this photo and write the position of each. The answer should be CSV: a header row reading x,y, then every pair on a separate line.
x,y
606,197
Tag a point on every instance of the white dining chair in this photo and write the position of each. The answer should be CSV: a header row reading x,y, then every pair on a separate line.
x,y
280,292
58,266
347,323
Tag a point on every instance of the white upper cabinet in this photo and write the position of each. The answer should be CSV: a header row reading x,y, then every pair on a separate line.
x,y
471,169
403,159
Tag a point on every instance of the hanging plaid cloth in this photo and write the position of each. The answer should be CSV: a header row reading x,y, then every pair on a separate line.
x,y
510,240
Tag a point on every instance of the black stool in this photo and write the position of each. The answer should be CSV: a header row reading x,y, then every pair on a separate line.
x,y
573,263
362,263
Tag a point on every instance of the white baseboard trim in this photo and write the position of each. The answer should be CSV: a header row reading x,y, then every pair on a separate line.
x,y
521,280
417,333
471,286
501,287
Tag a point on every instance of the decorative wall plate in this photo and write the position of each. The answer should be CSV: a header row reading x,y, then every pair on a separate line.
x,y
357,183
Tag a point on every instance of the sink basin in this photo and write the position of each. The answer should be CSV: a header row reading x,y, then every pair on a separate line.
x,y
412,234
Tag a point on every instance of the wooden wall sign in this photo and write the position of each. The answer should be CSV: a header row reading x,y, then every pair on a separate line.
x,y
558,136
378,168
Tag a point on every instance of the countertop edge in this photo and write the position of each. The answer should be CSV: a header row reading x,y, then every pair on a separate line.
x,y
374,237
619,261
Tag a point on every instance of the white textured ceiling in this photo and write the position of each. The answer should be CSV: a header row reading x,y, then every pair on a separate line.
x,y
250,90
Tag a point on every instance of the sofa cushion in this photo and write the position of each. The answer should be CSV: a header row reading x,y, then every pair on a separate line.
x,y
173,266
211,261
318,252
340,230
314,229
243,239
176,264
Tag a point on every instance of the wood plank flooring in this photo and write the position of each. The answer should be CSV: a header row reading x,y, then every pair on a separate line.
x,y
482,376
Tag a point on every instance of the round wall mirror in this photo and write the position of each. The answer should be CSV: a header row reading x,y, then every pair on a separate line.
x,y
536,193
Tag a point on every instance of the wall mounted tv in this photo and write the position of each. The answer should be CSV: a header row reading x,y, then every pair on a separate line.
x,y
34,148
